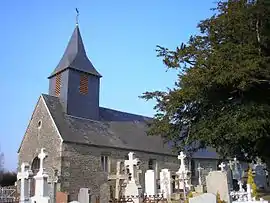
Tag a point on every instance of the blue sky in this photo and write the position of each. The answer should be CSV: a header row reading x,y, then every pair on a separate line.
x,y
120,37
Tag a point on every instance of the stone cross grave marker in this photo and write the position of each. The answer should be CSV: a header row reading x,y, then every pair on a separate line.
x,y
132,188
236,172
130,164
222,166
118,177
42,155
166,183
199,173
41,182
182,157
24,176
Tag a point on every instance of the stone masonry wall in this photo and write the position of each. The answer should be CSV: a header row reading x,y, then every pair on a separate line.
x,y
81,167
41,133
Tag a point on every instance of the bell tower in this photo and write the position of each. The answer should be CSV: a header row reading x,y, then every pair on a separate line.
x,y
76,81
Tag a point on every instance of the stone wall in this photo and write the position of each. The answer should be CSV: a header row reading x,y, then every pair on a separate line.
x,y
81,167
41,133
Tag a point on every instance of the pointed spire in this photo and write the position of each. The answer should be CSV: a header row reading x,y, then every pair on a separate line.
x,y
75,57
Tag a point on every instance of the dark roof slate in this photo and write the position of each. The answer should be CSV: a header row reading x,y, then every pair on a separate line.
x,y
115,129
75,57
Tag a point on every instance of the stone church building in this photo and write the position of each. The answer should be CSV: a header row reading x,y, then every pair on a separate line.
x,y
84,140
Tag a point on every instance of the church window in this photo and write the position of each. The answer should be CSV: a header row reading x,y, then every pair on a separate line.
x,y
105,163
83,84
57,85
39,124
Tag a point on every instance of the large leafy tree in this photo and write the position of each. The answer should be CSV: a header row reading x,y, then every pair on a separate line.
x,y
221,98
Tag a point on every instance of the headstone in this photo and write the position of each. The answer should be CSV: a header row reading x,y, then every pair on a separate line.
x,y
203,198
260,176
183,173
229,175
165,183
41,182
132,188
199,188
118,177
150,183
24,176
236,173
217,182
84,195
53,186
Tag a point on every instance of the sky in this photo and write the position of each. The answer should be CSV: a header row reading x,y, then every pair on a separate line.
x,y
120,38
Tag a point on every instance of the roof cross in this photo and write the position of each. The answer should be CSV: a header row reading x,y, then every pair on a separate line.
x,y
77,16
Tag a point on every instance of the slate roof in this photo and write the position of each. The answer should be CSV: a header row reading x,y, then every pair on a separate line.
x,y
115,129
75,57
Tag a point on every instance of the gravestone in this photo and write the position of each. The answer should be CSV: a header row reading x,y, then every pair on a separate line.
x,y
84,195
199,188
41,182
118,177
150,183
260,176
203,198
24,176
165,183
217,182
236,172
182,174
132,188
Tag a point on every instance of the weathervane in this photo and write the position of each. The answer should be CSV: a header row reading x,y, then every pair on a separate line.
x,y
77,16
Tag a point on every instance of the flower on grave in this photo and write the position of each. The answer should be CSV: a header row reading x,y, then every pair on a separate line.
x,y
252,183
189,195
218,198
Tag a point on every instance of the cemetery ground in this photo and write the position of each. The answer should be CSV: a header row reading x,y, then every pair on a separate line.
x,y
265,194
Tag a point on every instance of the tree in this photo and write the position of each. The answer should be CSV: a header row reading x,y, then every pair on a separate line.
x,y
221,98
8,179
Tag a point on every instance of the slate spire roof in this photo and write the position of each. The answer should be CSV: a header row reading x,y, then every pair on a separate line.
x,y
75,57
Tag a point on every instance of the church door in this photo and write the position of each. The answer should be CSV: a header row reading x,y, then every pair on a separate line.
x,y
34,168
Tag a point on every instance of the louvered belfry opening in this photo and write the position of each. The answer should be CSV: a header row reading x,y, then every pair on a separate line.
x,y
83,83
58,85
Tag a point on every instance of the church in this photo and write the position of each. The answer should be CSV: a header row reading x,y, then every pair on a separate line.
x,y
84,140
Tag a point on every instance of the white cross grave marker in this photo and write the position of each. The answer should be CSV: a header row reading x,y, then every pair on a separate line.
x,y
182,157
222,166
24,176
199,171
117,177
42,155
130,164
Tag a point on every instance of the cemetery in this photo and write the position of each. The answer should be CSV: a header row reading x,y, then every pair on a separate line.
x,y
74,150
217,187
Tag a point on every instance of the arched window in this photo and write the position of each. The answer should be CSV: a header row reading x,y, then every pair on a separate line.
x,y
35,165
